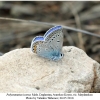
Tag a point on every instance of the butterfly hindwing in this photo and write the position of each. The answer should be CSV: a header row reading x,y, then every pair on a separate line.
x,y
36,41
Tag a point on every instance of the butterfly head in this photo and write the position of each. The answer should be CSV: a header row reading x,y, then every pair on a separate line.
x,y
56,56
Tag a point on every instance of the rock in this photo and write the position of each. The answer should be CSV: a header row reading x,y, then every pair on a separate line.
x,y
23,71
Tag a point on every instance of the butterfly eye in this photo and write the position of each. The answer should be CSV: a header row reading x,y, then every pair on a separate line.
x,y
62,54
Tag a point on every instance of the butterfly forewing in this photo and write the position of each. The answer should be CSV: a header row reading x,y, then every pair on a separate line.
x,y
55,40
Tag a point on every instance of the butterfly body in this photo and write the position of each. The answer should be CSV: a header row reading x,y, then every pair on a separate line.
x,y
50,45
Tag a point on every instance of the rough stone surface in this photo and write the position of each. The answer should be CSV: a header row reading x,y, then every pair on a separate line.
x,y
23,71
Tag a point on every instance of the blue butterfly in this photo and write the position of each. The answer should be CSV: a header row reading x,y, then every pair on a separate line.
x,y
50,45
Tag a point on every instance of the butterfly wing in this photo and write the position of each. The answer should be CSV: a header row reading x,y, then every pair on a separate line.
x,y
54,42
35,42
50,45
44,51
54,37
39,46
